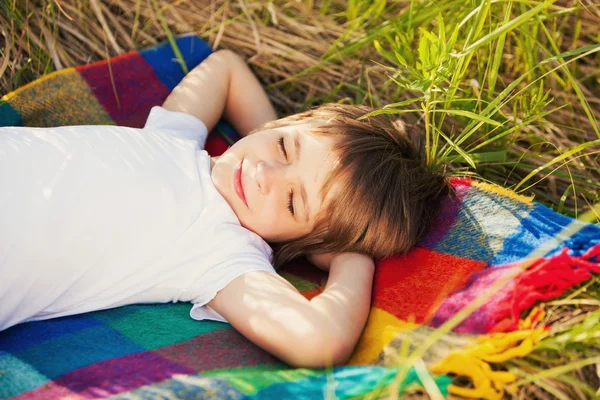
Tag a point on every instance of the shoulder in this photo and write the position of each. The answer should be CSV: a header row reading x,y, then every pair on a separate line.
x,y
178,124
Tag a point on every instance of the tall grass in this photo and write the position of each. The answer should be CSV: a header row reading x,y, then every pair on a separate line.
x,y
505,90
480,113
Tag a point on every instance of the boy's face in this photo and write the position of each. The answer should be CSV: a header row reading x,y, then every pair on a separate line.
x,y
272,180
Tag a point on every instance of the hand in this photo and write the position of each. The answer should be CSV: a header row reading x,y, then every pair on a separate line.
x,y
351,261
324,261
321,261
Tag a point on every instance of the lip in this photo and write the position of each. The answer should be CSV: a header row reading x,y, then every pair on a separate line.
x,y
237,183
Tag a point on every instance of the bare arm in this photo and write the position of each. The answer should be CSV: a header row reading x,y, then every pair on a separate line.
x,y
321,332
223,85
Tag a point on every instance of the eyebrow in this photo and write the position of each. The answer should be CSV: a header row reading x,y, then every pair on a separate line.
x,y
305,202
298,147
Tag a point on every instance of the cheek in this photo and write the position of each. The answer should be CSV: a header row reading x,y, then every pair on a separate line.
x,y
271,222
270,217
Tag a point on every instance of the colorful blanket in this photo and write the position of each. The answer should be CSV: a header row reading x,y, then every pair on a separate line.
x,y
483,239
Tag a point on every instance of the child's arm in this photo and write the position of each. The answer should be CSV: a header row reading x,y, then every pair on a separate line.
x,y
223,85
315,333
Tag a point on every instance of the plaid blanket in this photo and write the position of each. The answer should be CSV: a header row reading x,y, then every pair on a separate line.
x,y
484,236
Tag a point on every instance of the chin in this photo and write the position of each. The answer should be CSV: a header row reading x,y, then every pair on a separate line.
x,y
253,229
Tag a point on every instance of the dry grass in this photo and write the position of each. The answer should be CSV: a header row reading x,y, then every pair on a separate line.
x,y
309,53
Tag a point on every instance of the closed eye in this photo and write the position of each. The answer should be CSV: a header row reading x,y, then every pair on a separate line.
x,y
291,203
282,147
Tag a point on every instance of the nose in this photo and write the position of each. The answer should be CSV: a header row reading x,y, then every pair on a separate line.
x,y
268,175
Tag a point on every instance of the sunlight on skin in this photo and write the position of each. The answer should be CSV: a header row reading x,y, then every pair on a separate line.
x,y
196,84
271,177
269,311
274,321
282,173
223,86
296,315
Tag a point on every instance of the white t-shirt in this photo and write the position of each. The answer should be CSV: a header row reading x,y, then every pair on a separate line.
x,y
95,217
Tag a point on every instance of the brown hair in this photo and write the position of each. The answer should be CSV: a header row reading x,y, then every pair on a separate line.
x,y
386,197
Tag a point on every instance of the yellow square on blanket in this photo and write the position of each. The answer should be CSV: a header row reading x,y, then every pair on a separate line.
x,y
72,102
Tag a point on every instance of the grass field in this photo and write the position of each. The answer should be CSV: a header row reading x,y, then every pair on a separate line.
x,y
508,91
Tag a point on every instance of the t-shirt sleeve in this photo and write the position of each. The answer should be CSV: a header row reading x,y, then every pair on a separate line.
x,y
255,255
178,124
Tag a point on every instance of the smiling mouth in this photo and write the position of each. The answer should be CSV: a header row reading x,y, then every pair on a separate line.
x,y
237,183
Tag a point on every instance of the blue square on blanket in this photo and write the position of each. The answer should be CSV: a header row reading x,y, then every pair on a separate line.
x,y
9,116
166,65
483,222
544,225
63,354
23,336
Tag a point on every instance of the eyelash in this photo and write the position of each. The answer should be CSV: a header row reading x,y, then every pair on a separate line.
x,y
290,204
282,147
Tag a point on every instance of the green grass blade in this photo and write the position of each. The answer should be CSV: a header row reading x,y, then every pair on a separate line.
x,y
456,148
388,111
584,103
558,370
561,157
471,115
171,38
485,157
404,103
493,76
521,19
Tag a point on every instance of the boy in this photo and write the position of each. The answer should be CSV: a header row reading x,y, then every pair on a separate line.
x,y
98,217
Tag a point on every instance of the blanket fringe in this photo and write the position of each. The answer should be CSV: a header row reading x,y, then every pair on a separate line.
x,y
474,361
544,280
512,337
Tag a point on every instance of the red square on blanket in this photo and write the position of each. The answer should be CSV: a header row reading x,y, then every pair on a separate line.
x,y
127,88
412,287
